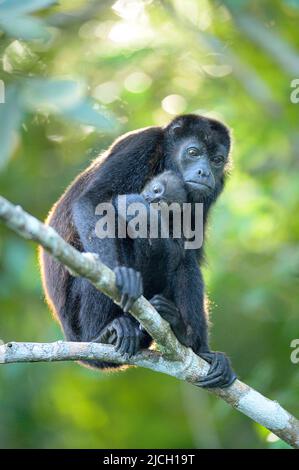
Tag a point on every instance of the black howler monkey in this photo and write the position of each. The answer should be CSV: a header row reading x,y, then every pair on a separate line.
x,y
197,149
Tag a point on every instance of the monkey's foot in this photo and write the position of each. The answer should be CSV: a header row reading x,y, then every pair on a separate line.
x,y
168,310
124,334
129,283
220,373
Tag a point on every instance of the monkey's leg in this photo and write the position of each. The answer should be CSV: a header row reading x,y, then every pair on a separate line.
x,y
220,373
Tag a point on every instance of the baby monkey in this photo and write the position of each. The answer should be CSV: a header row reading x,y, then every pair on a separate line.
x,y
155,259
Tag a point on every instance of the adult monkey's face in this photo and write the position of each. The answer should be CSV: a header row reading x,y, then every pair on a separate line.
x,y
199,149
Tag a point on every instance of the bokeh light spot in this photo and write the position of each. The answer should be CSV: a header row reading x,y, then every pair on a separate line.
x,y
137,82
174,104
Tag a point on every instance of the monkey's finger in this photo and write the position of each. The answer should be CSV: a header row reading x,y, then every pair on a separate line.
x,y
125,288
167,311
131,346
140,284
130,279
137,284
218,361
221,376
219,380
162,302
207,356
215,364
121,279
211,382
210,377
155,299
111,333
134,342
138,336
228,374
232,376
132,283
112,338
160,298
103,337
132,334
118,277
137,339
125,343
169,306
126,302
119,334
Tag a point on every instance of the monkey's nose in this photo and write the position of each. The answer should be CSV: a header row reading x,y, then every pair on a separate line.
x,y
204,172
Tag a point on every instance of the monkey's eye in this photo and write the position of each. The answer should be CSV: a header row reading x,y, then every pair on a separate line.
x,y
156,189
193,152
218,160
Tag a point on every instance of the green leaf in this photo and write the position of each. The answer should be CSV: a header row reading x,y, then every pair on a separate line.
x,y
65,97
51,96
10,119
85,113
19,7
24,27
19,58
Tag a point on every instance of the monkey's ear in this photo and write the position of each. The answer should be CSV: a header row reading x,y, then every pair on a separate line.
x,y
175,127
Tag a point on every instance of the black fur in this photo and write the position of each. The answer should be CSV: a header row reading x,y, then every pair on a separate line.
x,y
85,313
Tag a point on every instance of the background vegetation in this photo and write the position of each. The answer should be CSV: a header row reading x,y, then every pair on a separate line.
x,y
76,75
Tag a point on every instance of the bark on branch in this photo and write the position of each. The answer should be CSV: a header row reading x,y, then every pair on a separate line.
x,y
172,358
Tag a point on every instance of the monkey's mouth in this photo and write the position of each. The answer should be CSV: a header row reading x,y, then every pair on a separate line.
x,y
156,200
199,185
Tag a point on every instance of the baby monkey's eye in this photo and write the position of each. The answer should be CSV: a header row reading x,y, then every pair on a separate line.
x,y
156,189
193,152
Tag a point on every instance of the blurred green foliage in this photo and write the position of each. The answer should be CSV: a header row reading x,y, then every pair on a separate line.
x,y
77,74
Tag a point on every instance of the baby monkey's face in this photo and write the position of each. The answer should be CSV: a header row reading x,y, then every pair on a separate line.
x,y
166,187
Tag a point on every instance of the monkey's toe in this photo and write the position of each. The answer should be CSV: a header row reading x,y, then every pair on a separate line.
x,y
124,334
128,339
220,373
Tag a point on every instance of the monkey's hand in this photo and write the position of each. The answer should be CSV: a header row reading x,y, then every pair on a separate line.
x,y
168,310
220,373
124,333
129,283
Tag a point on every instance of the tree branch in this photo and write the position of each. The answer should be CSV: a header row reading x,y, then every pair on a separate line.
x,y
172,358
